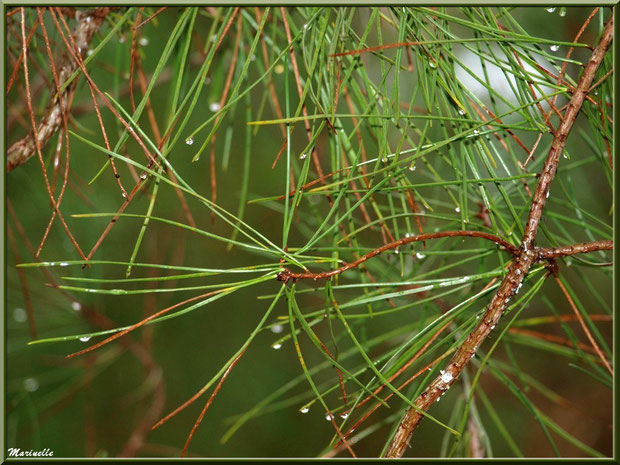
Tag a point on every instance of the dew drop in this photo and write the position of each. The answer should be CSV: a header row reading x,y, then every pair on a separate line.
x,y
329,417
122,39
31,384
420,256
564,155
462,112
143,41
276,345
85,339
20,315
475,132
384,160
303,156
90,52
279,69
214,106
569,262
76,306
306,26
554,47
277,329
550,10
396,251
63,264
412,168
143,176
124,195
344,416
304,409
189,140
438,399
446,376
432,64
253,57
562,12
213,38
457,209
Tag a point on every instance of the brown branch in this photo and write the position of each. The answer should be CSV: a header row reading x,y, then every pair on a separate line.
x,y
285,275
519,268
584,247
21,151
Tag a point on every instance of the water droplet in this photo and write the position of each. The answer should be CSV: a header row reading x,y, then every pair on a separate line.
x,y
143,176
303,156
475,132
384,160
207,80
90,52
446,376
562,12
550,10
253,57
396,251
457,209
432,64
276,345
493,327
189,140
213,38
344,415
31,384
122,39
420,256
124,195
279,68
554,47
306,26
85,339
564,155
329,417
407,235
63,264
143,41
214,106
569,262
438,399
461,112
20,315
304,409
76,306
547,196
277,329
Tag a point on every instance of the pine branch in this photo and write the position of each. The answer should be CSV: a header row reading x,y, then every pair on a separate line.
x,y
519,268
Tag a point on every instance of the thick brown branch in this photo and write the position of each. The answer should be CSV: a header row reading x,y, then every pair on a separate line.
x,y
584,247
286,275
519,268
22,150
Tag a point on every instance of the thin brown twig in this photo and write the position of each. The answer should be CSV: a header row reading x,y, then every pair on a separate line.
x,y
582,323
208,404
285,275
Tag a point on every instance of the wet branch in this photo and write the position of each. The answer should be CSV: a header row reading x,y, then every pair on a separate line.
x,y
521,265
88,23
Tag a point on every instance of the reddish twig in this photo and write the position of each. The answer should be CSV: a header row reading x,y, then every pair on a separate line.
x,y
584,247
285,275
